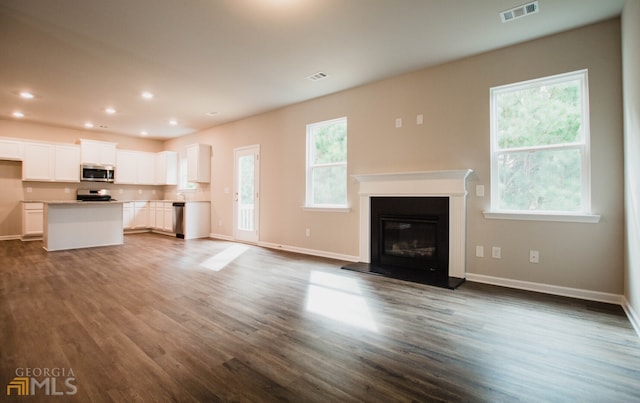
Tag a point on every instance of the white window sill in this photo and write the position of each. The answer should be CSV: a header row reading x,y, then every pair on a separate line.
x,y
327,209
559,217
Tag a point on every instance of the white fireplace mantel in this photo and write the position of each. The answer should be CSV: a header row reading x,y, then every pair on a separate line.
x,y
450,184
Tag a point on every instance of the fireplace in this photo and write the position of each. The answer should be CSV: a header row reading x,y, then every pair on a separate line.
x,y
413,226
411,233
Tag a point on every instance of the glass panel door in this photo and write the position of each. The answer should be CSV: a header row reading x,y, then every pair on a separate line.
x,y
246,193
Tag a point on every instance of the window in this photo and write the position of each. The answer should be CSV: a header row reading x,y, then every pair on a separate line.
x,y
327,164
183,183
540,160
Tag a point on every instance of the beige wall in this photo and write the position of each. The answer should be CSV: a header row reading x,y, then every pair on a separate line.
x,y
454,99
631,72
10,194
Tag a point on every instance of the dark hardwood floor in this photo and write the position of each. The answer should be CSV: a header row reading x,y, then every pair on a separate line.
x,y
156,319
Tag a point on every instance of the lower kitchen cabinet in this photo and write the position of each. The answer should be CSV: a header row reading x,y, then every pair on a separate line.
x,y
32,219
135,215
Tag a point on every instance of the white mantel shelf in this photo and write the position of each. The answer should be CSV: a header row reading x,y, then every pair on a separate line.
x,y
418,175
449,183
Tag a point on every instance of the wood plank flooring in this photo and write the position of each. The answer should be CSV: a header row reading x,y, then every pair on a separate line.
x,y
149,321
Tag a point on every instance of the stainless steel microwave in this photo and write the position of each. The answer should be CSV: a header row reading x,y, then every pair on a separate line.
x,y
97,173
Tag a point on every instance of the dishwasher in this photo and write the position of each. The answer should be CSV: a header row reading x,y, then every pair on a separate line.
x,y
178,219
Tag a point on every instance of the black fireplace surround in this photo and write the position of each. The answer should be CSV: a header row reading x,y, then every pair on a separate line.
x,y
410,240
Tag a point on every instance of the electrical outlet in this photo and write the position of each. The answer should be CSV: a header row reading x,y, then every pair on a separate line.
x,y
534,256
419,119
480,190
496,252
398,123
307,232
479,251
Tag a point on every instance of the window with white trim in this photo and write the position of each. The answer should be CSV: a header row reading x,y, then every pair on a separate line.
x,y
183,182
327,164
540,161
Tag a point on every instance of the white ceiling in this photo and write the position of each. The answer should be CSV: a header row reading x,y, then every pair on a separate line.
x,y
236,58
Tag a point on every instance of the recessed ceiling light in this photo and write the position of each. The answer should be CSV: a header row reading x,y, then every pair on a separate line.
x,y
173,122
144,133
110,110
211,113
88,125
26,95
147,95
18,114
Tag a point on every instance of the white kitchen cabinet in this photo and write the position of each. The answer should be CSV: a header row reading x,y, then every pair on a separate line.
x,y
152,214
146,168
135,168
51,162
140,214
199,163
197,220
32,219
167,219
39,162
97,152
127,215
126,167
135,215
160,216
166,168
66,163
11,150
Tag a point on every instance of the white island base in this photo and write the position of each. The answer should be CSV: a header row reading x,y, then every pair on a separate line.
x,y
73,225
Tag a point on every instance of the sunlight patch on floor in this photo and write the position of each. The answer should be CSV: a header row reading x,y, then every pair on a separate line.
x,y
221,260
339,298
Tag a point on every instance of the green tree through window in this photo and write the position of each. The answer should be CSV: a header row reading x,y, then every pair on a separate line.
x,y
327,163
540,153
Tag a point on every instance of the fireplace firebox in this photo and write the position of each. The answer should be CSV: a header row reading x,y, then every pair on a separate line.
x,y
409,239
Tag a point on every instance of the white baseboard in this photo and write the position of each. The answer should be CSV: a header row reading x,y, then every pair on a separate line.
x,y
312,252
220,236
548,289
10,237
632,315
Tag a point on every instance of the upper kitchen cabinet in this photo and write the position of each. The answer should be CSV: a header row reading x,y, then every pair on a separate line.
x,y
67,163
135,168
166,172
97,152
51,162
11,150
199,163
39,162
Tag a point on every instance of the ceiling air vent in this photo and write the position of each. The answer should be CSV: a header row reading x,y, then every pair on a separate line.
x,y
520,11
317,76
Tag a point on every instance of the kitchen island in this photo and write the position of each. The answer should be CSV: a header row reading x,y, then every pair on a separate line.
x,y
82,224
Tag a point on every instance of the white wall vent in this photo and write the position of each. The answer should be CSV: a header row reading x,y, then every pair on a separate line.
x,y
317,76
520,11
